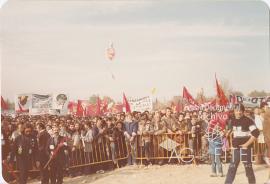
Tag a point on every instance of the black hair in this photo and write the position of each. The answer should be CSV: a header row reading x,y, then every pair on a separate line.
x,y
240,107
41,125
28,125
61,96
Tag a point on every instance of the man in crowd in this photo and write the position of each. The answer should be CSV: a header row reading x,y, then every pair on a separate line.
x,y
43,140
131,128
57,148
90,138
25,151
169,121
145,129
266,132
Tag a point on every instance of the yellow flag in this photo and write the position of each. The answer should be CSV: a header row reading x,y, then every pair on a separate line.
x,y
153,91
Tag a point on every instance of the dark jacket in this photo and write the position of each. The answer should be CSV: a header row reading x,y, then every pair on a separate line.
x,y
43,141
58,150
25,150
131,127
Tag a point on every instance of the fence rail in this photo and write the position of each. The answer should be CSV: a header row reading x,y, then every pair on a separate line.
x,y
183,147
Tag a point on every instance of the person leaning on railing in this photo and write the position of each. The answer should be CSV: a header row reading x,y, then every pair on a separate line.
x,y
76,149
87,139
169,120
159,131
145,129
181,128
130,132
193,132
111,140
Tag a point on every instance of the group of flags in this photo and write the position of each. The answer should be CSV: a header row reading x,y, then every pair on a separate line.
x,y
220,99
101,107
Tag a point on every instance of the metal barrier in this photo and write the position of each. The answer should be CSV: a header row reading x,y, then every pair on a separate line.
x,y
184,147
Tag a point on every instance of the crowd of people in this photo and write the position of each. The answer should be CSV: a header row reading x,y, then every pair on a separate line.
x,y
71,145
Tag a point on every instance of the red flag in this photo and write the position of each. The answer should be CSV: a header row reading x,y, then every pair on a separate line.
x,y
115,108
72,107
104,106
80,110
98,107
213,102
4,105
91,110
118,108
220,94
126,104
187,96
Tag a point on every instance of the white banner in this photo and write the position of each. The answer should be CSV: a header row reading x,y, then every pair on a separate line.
x,y
60,101
141,104
41,104
22,103
249,101
60,104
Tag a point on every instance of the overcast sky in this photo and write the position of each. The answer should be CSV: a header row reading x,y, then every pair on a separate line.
x,y
59,46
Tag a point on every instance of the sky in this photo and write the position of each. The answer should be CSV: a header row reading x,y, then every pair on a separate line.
x,y
59,46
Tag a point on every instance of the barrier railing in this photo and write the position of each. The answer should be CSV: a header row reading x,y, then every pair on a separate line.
x,y
186,148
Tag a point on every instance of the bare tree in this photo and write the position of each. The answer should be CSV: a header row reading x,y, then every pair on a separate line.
x,y
256,93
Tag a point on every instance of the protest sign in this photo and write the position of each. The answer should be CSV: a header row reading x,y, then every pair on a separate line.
x,y
41,104
22,103
141,104
249,101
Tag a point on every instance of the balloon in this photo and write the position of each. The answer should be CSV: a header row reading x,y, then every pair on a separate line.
x,y
110,52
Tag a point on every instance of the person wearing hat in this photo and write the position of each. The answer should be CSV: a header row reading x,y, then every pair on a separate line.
x,y
244,133
266,132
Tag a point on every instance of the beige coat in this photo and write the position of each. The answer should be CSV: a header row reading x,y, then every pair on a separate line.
x,y
266,126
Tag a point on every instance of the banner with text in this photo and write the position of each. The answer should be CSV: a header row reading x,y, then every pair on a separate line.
x,y
249,101
141,104
22,103
41,104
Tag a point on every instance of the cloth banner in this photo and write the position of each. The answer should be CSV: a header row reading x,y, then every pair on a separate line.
x,y
41,104
141,104
60,104
22,103
249,101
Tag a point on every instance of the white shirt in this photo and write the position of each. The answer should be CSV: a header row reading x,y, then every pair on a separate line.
x,y
258,122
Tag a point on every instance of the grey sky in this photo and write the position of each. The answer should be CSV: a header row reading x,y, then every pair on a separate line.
x,y
60,47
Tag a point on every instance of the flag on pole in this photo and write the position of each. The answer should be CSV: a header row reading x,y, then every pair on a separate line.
x,y
98,106
80,110
153,91
220,94
187,96
125,103
4,105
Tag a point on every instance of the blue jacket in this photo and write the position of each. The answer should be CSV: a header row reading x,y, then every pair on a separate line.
x,y
131,127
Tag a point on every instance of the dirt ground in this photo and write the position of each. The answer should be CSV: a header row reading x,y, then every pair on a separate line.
x,y
181,174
